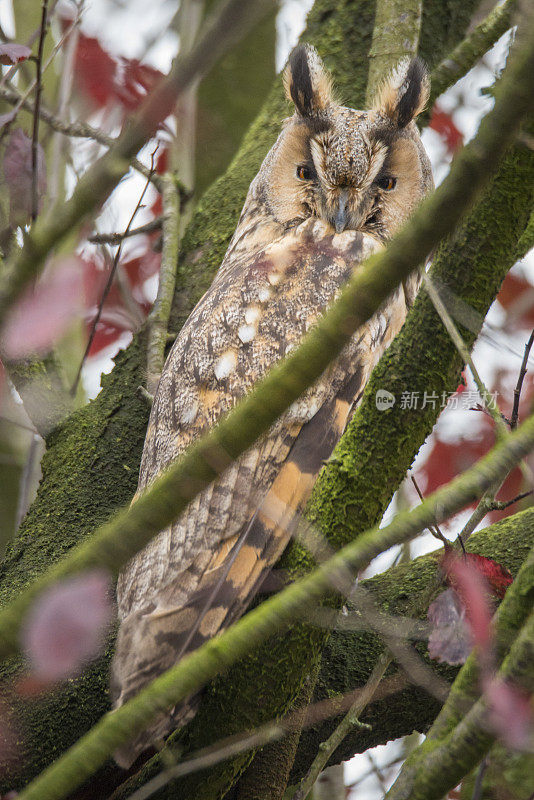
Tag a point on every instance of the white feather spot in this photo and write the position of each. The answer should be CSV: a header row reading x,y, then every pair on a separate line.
x,y
252,315
264,294
274,278
246,333
342,240
225,364
188,413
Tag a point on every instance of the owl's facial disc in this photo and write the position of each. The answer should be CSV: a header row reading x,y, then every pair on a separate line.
x,y
350,169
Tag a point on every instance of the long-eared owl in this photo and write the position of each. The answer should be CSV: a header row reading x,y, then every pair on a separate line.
x,y
334,187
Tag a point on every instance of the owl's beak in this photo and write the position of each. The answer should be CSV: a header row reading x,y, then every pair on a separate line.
x,y
341,216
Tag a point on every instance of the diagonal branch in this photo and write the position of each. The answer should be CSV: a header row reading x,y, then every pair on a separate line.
x,y
473,47
35,131
226,25
218,654
129,531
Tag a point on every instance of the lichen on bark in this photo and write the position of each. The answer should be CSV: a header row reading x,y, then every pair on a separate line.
x,y
92,462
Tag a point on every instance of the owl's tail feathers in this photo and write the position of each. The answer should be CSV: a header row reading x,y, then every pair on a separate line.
x,y
217,587
156,637
126,755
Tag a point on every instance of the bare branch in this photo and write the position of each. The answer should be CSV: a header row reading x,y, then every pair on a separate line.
x,y
226,25
517,391
473,47
116,238
350,720
81,130
35,131
158,320
109,284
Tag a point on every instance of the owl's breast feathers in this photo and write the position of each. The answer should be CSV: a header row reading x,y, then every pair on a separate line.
x,y
196,577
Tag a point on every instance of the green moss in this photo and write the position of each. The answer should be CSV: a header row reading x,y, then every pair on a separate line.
x,y
90,469
92,461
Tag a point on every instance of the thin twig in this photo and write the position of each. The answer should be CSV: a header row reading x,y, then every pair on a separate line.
x,y
35,131
79,130
159,317
60,155
460,345
265,734
108,285
435,529
477,790
488,497
500,505
23,97
349,721
375,770
517,391
471,49
116,238
29,42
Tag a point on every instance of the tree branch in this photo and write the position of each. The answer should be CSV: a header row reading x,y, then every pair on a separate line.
x,y
222,29
169,495
216,655
91,464
473,47
158,321
80,130
395,36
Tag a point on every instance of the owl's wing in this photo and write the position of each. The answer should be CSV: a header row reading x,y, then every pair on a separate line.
x,y
196,577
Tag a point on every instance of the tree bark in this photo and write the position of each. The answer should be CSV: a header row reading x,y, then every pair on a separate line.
x,y
91,465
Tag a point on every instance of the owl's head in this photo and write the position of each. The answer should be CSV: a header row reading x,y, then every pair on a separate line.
x,y
362,170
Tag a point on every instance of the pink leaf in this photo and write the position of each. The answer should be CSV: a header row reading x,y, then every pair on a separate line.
x,y
66,627
45,312
6,118
13,53
450,641
465,577
510,714
18,173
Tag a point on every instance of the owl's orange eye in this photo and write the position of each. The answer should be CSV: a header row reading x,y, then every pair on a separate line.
x,y
387,183
304,173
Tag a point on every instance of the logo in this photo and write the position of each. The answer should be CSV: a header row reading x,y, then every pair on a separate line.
x,y
384,399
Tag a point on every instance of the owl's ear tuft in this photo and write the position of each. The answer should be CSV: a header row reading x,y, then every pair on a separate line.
x,y
404,93
307,82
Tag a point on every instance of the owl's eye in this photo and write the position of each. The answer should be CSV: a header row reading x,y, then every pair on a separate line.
x,y
304,172
387,183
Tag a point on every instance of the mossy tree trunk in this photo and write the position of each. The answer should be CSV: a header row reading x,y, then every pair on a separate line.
x,y
91,464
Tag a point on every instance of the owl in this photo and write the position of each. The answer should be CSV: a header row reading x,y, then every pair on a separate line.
x,y
333,189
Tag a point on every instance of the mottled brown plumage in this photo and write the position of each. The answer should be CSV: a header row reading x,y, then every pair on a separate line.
x,y
332,190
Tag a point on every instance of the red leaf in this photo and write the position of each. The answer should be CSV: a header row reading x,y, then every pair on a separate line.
x,y
65,628
497,576
45,312
11,53
18,174
510,714
467,578
134,81
104,79
443,124
448,459
450,640
94,70
514,288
